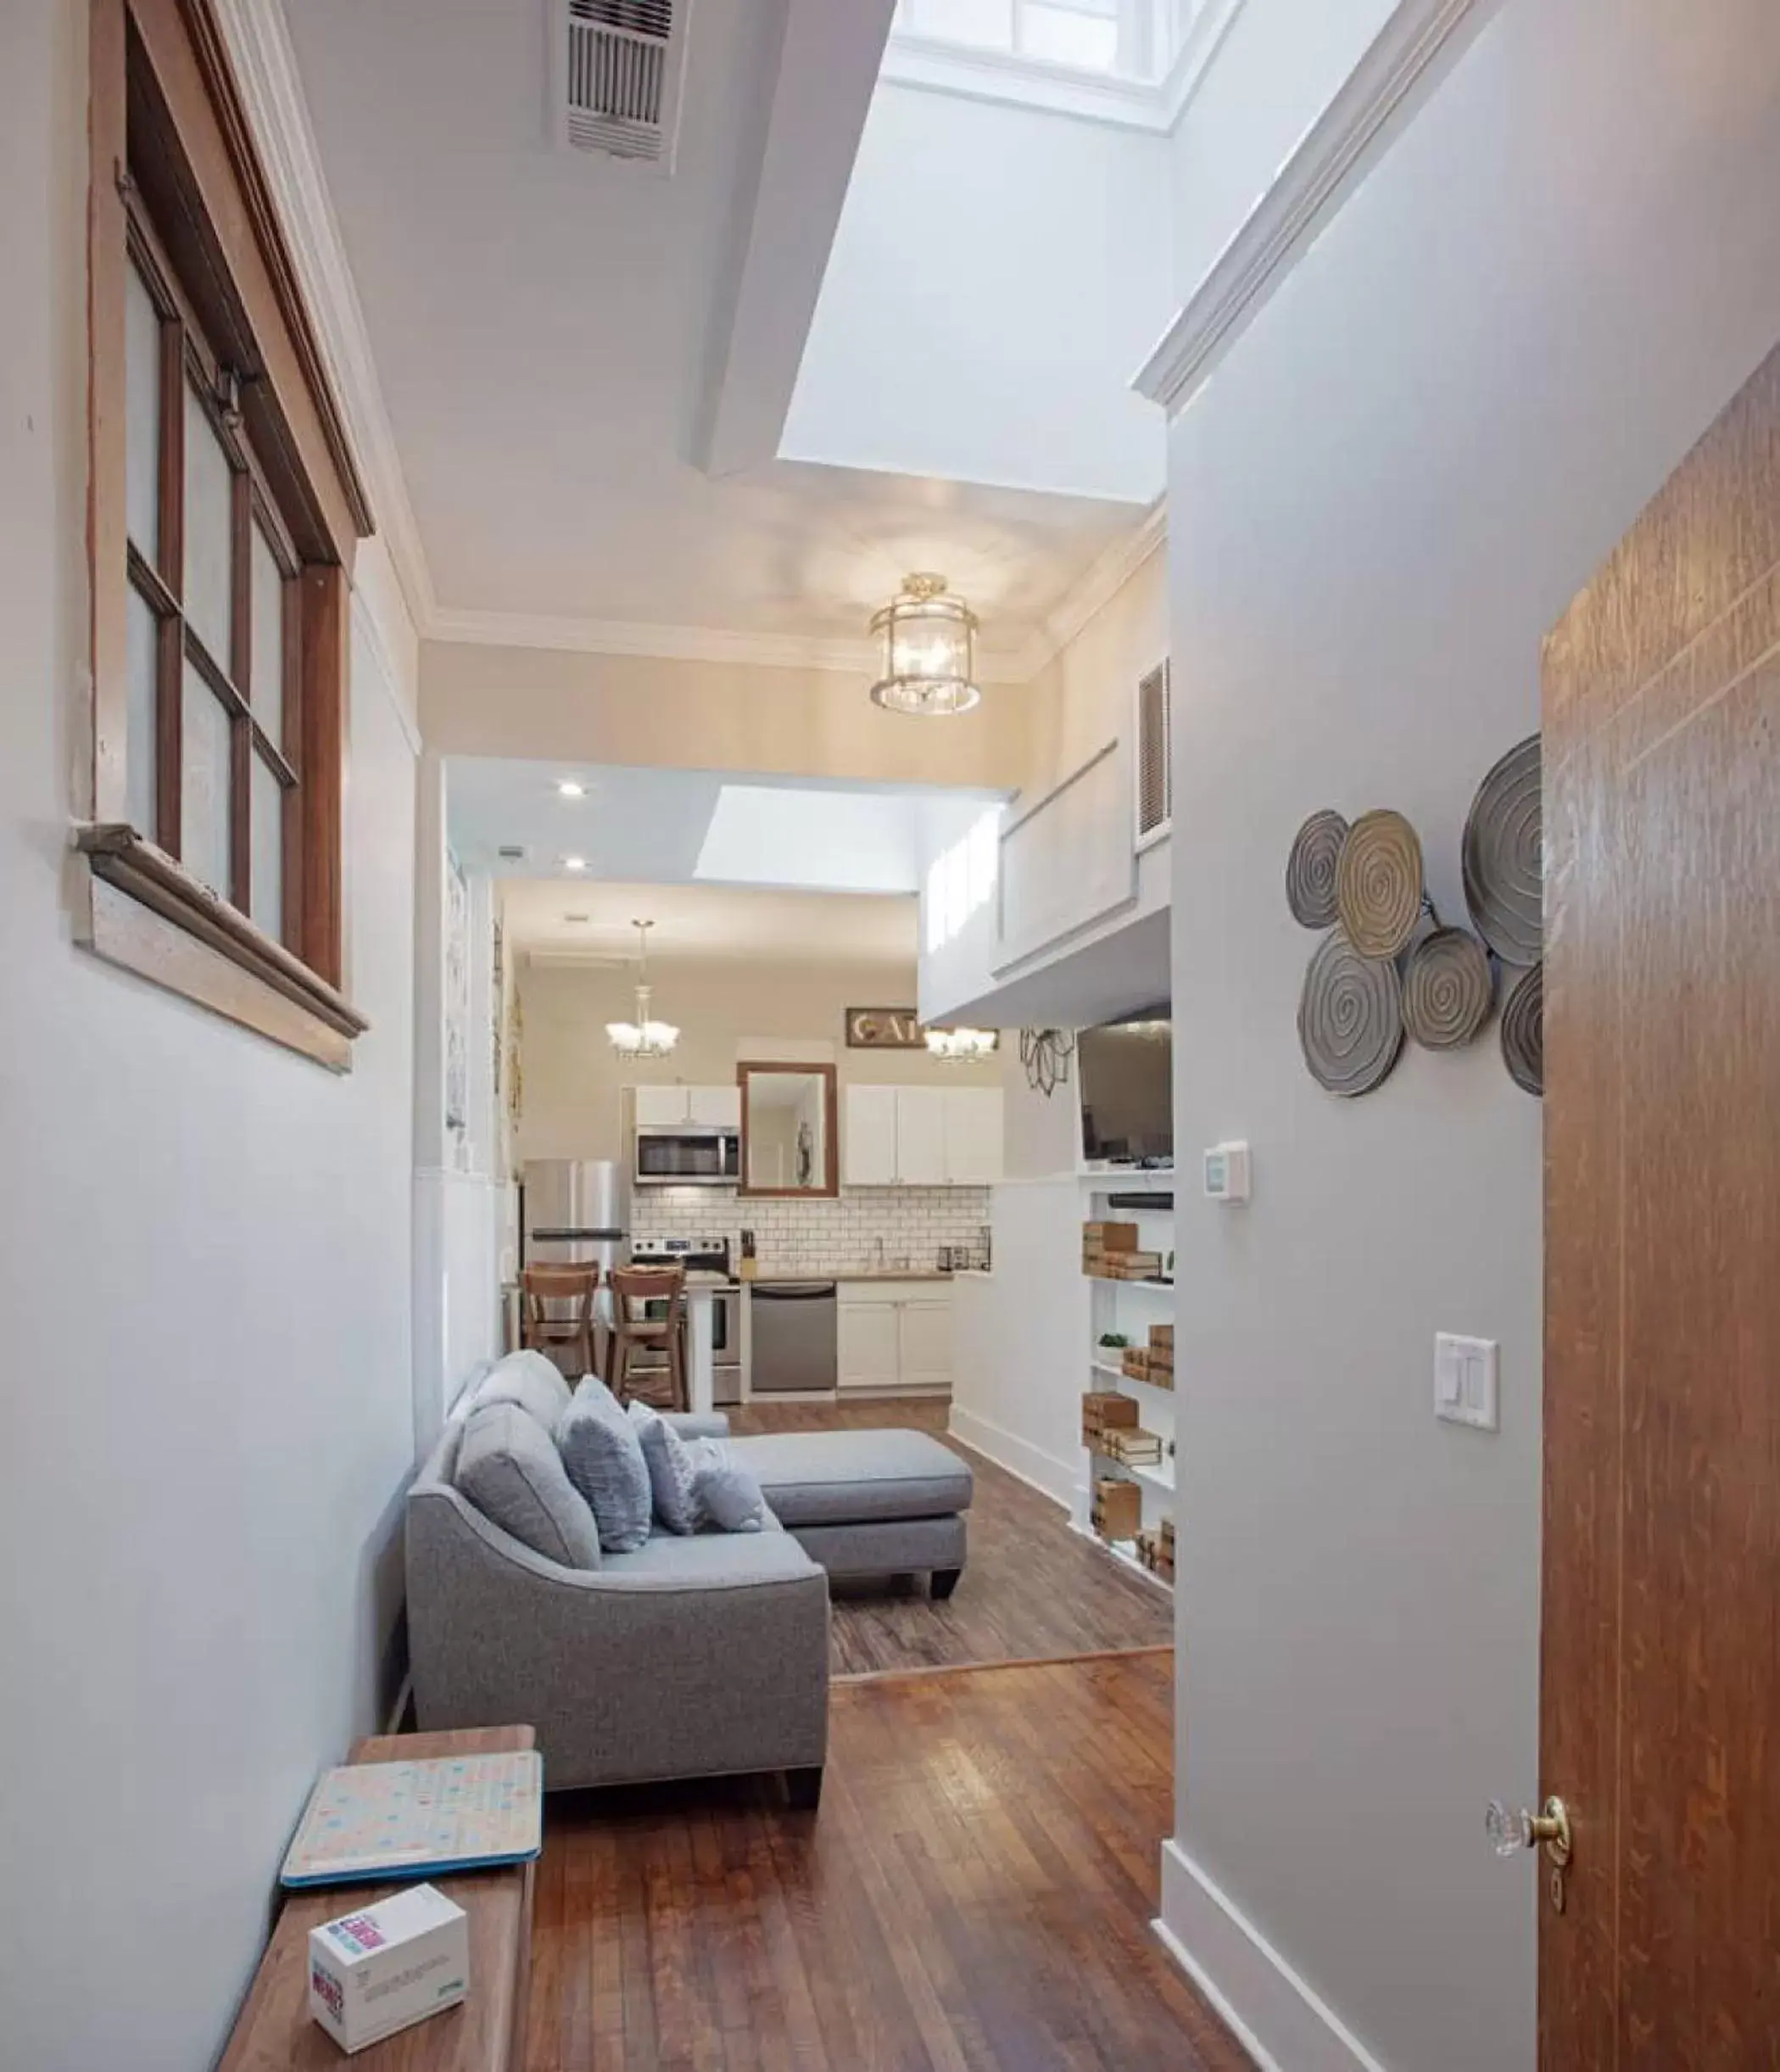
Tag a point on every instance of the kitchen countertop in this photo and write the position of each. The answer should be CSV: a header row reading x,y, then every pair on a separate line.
x,y
851,1273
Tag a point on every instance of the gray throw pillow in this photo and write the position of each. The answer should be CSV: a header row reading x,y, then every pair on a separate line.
x,y
605,1462
509,1467
724,1492
529,1380
670,1469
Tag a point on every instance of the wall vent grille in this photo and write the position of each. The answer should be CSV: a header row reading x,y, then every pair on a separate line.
x,y
621,68
1155,740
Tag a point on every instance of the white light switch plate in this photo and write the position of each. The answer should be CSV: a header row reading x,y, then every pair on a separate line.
x,y
1466,1382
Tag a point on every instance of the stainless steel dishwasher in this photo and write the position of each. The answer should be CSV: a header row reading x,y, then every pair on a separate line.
x,y
794,1337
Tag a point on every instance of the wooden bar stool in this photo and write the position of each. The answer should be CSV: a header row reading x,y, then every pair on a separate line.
x,y
633,1330
546,1333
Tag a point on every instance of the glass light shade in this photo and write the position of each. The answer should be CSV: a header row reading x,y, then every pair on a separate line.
x,y
928,646
644,1037
962,1046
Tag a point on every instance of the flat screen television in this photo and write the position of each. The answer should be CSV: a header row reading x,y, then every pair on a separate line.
x,y
1126,1072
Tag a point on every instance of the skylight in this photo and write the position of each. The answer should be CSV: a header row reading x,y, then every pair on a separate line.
x,y
1134,40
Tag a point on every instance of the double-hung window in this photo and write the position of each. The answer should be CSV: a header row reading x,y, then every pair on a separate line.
x,y
225,511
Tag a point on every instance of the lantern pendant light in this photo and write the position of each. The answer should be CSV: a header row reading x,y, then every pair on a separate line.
x,y
928,641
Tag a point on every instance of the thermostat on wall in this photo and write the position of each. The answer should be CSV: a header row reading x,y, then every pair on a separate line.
x,y
1226,1173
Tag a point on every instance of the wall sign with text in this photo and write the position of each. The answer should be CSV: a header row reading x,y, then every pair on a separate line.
x,y
885,1029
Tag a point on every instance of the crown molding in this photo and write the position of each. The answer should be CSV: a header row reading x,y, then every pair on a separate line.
x,y
663,643
1400,68
1102,580
271,91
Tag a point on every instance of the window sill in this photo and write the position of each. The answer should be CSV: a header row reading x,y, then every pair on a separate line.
x,y
151,916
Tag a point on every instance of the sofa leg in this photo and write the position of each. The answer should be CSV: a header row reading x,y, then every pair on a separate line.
x,y
803,1788
944,1581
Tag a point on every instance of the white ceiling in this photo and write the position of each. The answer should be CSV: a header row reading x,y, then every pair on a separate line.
x,y
658,826
550,330
707,923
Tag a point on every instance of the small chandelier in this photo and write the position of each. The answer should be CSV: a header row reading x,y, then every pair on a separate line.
x,y
962,1046
930,651
643,1038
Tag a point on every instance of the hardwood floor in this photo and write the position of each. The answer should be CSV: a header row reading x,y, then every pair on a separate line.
x,y
974,1896
1032,1590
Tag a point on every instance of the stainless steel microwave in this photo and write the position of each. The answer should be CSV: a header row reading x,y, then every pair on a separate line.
x,y
687,1154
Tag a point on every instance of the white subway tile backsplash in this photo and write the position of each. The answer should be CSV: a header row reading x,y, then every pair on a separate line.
x,y
823,1235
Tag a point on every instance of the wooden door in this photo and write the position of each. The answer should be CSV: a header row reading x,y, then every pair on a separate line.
x,y
868,1146
1661,1643
921,1137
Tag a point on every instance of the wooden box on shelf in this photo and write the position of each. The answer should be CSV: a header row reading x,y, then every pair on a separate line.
x,y
1101,1242
1133,1448
1103,1410
1159,1355
1131,1266
1117,1508
1135,1362
1156,1550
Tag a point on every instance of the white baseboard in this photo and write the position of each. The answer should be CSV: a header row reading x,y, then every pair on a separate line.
x,y
1282,2024
1029,1464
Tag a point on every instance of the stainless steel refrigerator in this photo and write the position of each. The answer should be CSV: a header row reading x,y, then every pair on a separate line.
x,y
573,1211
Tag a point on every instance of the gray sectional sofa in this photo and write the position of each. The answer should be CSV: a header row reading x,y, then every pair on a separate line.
x,y
693,1656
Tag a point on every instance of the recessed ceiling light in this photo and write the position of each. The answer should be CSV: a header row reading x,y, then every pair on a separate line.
x,y
568,789
574,862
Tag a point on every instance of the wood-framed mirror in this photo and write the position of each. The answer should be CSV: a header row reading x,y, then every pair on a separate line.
x,y
791,1139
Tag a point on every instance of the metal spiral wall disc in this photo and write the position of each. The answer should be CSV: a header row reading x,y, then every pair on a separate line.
x,y
1310,870
1378,884
1523,1031
1350,1017
1449,989
1502,857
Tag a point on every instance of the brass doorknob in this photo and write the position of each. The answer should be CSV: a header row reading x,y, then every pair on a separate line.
x,y
1510,1832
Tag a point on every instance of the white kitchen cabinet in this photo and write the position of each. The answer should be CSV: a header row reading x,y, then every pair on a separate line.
x,y
711,1107
921,1137
868,1138
866,1344
924,1343
893,1335
720,1106
974,1154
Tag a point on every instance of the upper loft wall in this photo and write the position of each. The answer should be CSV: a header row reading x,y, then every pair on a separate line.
x,y
550,703
1084,696
1278,67
998,274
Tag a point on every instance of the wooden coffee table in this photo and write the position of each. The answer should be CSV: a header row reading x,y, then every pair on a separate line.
x,y
486,2033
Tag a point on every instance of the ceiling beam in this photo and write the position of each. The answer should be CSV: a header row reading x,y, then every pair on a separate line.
x,y
828,70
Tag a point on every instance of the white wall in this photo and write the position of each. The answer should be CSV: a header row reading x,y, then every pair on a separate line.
x,y
998,274
574,1081
1275,72
1426,443
205,1283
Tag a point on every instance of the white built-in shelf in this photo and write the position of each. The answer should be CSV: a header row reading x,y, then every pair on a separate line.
x,y
1120,1552
1159,1477
1148,1180
1130,1381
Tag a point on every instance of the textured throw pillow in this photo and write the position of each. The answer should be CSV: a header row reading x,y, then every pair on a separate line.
x,y
509,1467
529,1380
724,1492
605,1462
670,1469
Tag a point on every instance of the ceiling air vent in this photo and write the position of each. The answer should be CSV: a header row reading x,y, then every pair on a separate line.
x,y
1155,780
511,852
620,65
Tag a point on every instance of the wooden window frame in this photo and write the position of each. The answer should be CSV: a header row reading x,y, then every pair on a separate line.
x,y
177,192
